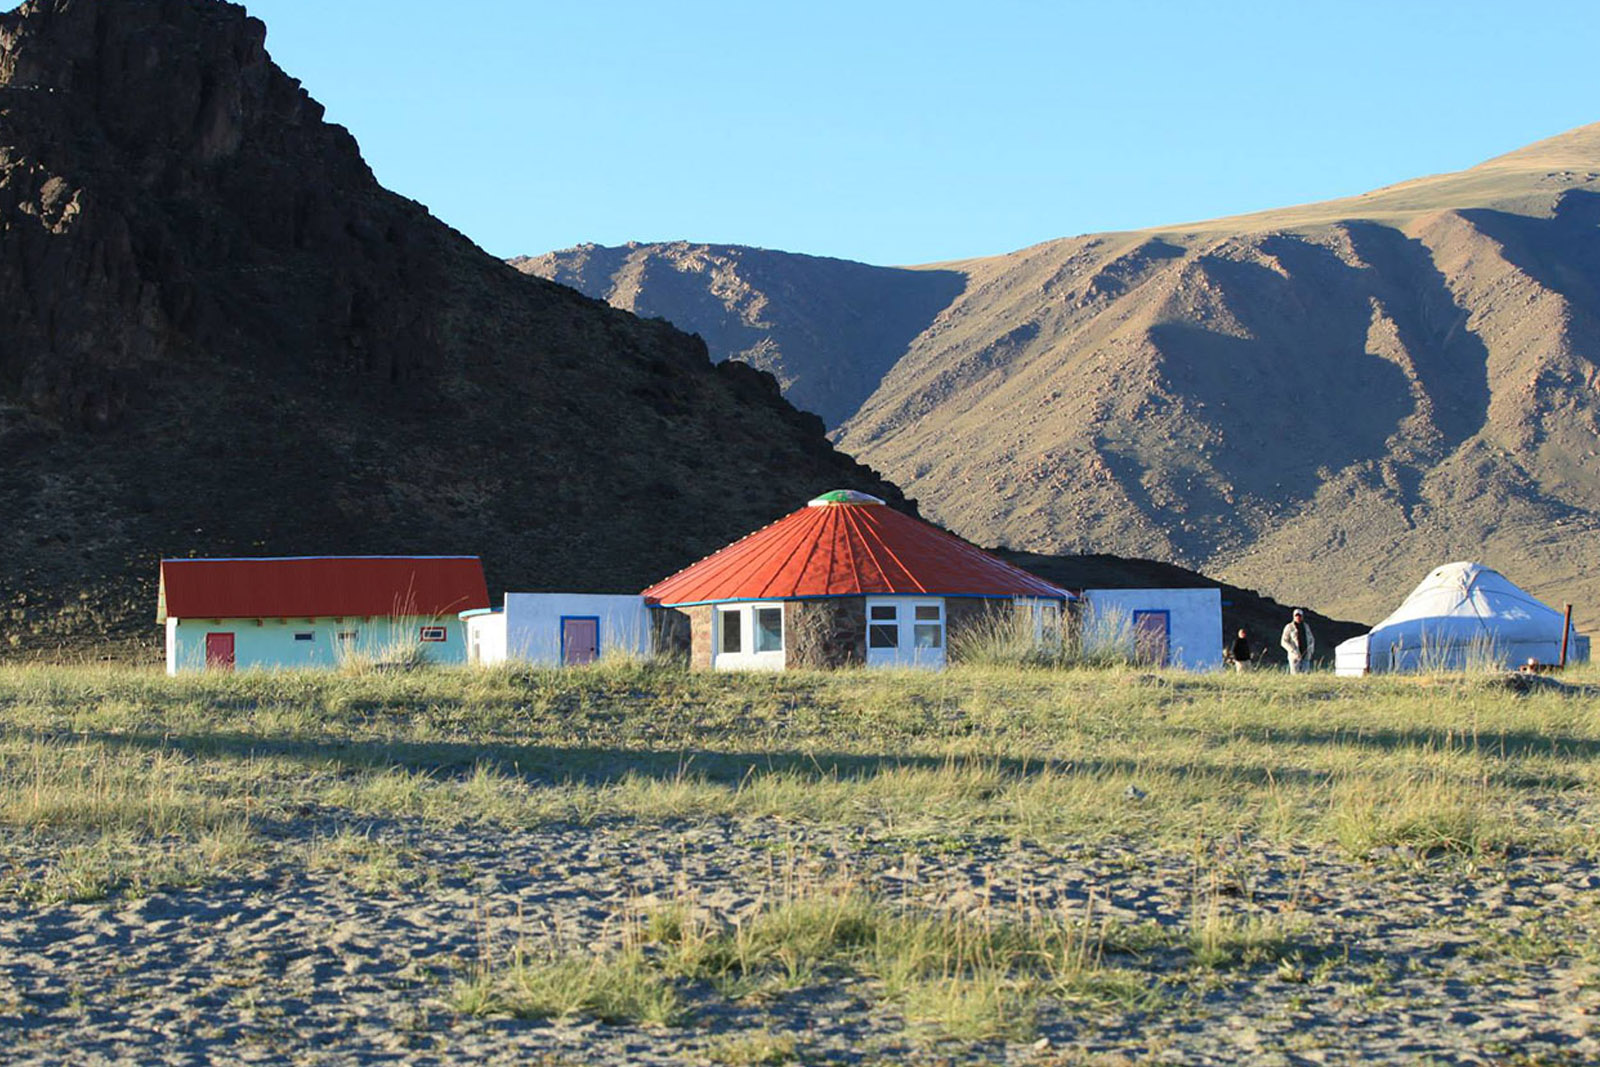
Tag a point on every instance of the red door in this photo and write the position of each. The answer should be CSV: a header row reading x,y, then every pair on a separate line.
x,y
580,641
219,652
1151,633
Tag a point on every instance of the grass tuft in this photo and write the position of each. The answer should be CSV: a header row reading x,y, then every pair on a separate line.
x,y
621,988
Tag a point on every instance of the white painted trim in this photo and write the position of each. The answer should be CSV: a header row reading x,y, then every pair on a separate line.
x,y
906,653
747,658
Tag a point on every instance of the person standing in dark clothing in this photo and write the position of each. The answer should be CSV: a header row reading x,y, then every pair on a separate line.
x,y
1239,652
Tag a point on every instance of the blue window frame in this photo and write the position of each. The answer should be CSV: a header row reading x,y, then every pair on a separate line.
x,y
579,618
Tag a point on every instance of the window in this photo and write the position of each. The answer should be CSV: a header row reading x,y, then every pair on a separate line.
x,y
347,636
305,635
928,630
769,629
1050,624
883,626
432,633
729,621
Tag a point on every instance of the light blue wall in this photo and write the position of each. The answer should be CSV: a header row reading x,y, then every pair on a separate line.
x,y
1194,641
270,644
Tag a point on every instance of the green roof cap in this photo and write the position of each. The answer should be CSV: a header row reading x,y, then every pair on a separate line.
x,y
843,496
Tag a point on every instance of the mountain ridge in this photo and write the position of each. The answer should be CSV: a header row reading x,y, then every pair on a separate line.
x,y
1320,401
219,335
746,300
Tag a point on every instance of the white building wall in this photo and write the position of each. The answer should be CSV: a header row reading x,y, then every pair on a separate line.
x,y
1350,657
273,644
532,626
1194,637
486,637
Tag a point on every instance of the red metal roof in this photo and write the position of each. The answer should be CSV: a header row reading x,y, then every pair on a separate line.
x,y
844,545
320,586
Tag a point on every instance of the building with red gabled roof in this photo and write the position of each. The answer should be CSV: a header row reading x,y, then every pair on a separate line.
x,y
316,611
845,579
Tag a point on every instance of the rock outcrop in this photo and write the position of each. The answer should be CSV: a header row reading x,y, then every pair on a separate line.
x,y
220,335
827,329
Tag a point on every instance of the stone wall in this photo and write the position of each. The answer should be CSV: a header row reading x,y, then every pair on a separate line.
x,y
817,634
826,633
671,633
700,636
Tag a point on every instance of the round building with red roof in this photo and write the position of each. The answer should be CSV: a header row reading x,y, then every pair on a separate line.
x,y
845,580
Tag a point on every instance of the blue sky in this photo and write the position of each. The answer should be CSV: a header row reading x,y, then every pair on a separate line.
x,y
913,132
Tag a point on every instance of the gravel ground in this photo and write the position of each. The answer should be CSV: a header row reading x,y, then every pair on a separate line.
x,y
311,960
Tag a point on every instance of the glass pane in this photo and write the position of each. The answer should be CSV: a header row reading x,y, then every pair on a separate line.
x,y
769,629
883,613
927,613
883,635
929,635
730,631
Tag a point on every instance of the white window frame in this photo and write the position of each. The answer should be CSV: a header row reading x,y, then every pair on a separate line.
x,y
747,658
907,654
873,608
720,627
1047,632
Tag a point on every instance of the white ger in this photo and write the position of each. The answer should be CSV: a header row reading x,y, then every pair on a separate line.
x,y
1463,615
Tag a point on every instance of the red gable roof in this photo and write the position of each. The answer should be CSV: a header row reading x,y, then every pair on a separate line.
x,y
848,544
320,586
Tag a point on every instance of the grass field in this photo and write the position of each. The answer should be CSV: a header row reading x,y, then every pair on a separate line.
x,y
978,863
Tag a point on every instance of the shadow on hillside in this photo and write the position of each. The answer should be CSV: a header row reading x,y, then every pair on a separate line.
x,y
1560,253
540,764
1514,745
559,764
1305,378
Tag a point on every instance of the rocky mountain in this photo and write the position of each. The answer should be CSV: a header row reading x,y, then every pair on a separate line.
x,y
220,335
1321,402
827,329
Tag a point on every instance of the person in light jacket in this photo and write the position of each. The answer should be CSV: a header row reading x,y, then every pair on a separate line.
x,y
1299,643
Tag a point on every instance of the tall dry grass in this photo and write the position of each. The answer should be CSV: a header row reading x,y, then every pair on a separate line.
x,y
163,766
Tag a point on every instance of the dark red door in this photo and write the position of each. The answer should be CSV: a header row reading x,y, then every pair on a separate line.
x,y
219,652
580,641
1152,637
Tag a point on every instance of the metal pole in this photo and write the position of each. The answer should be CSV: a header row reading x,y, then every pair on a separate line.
x,y
1566,632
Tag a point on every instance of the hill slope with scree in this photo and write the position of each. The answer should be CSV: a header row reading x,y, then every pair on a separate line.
x,y
219,335
1321,402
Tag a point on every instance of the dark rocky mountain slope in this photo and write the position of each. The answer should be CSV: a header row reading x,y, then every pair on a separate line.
x,y
1321,402
827,329
220,335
